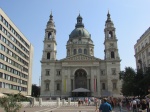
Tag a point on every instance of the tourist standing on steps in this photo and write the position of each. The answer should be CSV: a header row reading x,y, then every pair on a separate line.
x,y
105,106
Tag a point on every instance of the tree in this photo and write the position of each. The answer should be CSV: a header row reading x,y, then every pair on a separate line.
x,y
146,81
35,90
10,103
128,81
135,83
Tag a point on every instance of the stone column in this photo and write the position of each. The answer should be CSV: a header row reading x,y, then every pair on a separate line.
x,y
33,100
40,101
58,101
87,83
69,101
63,101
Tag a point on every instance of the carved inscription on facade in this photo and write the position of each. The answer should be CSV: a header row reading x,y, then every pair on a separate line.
x,y
81,58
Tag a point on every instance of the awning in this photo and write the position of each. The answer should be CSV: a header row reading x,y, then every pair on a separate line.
x,y
80,90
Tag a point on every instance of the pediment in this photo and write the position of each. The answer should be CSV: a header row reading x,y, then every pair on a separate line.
x,y
80,57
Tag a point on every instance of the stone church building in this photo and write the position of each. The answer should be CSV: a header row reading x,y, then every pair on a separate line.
x,y
80,73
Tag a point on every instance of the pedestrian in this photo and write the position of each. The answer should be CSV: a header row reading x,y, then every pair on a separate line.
x,y
105,106
96,104
89,101
134,105
120,105
128,105
144,105
30,102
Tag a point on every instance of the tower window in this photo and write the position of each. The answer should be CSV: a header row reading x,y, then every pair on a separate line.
x,y
49,35
74,51
58,73
112,54
85,51
48,55
49,45
47,86
103,86
68,52
110,34
58,86
113,71
102,72
47,72
114,85
80,50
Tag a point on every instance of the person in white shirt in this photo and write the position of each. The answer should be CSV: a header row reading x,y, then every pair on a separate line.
x,y
134,105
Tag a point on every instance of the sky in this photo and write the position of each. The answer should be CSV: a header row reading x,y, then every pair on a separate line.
x,y
131,19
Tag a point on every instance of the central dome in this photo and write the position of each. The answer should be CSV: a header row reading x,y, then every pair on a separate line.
x,y
79,32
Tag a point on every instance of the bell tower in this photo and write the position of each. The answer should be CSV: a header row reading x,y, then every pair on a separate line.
x,y
49,52
111,48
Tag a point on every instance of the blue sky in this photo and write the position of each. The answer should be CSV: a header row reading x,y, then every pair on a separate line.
x,y
131,19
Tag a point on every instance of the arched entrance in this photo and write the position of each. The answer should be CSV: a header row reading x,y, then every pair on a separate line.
x,y
80,78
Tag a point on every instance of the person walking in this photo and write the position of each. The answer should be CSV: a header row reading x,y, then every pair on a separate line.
x,y
134,105
144,105
105,106
120,105
96,104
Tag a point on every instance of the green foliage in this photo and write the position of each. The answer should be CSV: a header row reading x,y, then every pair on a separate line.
x,y
10,103
135,83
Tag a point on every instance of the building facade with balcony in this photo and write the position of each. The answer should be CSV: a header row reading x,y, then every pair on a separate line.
x,y
142,51
16,56
80,73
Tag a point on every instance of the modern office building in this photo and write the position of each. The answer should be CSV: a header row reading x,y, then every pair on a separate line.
x,y
16,56
80,73
142,51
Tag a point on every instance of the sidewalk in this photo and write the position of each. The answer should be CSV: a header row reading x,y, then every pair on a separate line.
x,y
62,109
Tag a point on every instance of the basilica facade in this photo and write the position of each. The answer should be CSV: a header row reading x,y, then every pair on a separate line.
x,y
80,73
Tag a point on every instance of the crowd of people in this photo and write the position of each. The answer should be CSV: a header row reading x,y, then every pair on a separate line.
x,y
131,104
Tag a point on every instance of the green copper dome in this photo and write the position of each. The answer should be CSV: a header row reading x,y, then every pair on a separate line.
x,y
79,30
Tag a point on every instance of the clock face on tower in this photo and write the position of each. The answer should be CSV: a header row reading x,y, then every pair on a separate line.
x,y
111,44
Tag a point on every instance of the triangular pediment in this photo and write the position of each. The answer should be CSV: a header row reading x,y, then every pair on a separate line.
x,y
81,57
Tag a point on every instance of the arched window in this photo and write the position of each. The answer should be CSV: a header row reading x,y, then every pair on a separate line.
x,y
103,86
110,34
79,50
112,54
68,52
47,86
74,51
85,51
58,86
48,55
49,35
91,52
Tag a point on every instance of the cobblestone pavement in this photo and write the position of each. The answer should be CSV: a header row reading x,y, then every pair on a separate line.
x,y
62,109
